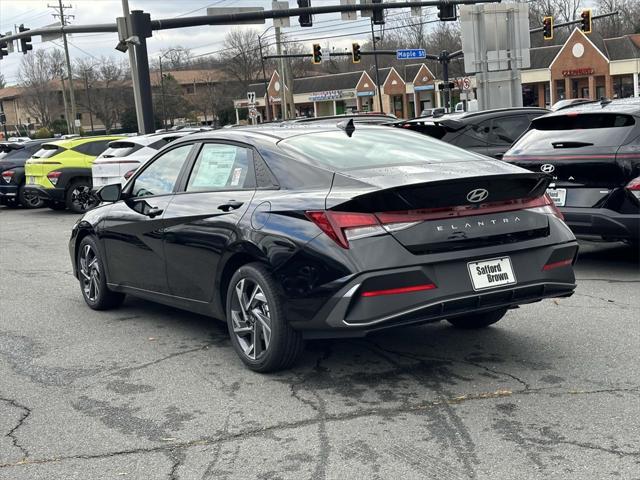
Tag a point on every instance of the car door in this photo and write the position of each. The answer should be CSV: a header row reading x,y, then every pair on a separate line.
x,y
202,220
133,228
504,131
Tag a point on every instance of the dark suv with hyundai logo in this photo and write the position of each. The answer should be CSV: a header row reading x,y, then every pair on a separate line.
x,y
592,151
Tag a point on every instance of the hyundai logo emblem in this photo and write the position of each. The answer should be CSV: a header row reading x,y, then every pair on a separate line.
x,y
547,168
477,195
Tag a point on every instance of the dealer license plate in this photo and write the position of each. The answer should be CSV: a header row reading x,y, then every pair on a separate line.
x,y
491,273
558,195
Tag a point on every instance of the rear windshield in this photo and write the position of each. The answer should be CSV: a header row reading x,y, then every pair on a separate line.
x,y
577,131
48,151
372,148
120,149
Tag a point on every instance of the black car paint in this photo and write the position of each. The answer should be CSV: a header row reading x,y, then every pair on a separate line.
x,y
597,203
460,130
185,256
15,161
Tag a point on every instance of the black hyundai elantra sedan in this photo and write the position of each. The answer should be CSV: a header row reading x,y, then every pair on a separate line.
x,y
293,233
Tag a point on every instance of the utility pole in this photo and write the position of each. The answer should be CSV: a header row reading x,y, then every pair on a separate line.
x,y
266,84
64,100
86,89
164,108
72,96
375,59
283,95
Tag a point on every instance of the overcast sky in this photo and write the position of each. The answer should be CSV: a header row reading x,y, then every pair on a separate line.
x,y
35,13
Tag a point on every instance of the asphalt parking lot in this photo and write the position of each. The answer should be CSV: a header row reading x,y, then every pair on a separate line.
x,y
150,392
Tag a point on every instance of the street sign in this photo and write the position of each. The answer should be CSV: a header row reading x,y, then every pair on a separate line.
x,y
251,98
228,10
348,16
9,44
48,37
282,22
411,53
78,123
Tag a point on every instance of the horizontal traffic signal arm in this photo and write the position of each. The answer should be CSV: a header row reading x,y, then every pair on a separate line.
x,y
234,18
573,22
343,54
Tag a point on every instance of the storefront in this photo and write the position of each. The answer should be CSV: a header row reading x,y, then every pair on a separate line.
x,y
586,66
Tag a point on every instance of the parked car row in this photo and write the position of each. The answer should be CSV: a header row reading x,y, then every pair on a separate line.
x,y
61,174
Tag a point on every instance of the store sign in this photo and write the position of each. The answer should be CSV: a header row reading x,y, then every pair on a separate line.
x,y
326,95
420,88
366,94
578,72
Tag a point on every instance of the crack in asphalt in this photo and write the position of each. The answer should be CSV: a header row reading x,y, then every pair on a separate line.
x,y
608,300
340,417
26,411
608,280
125,372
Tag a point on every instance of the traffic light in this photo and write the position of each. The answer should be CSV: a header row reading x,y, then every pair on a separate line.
x,y
547,28
25,42
447,12
378,14
305,20
355,52
317,54
585,20
3,48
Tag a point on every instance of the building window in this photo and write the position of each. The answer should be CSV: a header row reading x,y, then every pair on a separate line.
x,y
78,116
560,95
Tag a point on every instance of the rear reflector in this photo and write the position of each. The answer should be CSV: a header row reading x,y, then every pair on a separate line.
x,y
396,291
561,263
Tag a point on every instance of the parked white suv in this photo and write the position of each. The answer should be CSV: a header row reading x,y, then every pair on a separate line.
x,y
118,162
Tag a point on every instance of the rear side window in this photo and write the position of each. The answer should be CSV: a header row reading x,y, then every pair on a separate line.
x,y
93,149
474,136
506,130
120,149
221,167
48,151
581,130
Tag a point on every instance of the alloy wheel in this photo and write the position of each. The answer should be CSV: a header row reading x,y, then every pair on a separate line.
x,y
90,273
81,198
251,318
31,200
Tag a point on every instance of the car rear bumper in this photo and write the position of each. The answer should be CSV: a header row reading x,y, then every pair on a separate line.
x,y
348,313
602,222
46,194
8,192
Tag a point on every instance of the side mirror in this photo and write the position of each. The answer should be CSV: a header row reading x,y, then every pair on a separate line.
x,y
110,193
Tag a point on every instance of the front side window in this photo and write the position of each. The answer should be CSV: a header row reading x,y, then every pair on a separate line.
x,y
221,167
160,177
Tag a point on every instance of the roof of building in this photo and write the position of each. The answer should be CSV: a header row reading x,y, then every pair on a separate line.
x,y
542,57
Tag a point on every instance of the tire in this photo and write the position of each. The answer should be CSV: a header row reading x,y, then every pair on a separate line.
x,y
11,203
29,200
79,198
260,294
55,205
477,320
93,283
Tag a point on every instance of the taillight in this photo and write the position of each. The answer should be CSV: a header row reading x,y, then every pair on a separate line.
x,y
345,226
53,177
633,186
561,263
128,175
396,291
7,175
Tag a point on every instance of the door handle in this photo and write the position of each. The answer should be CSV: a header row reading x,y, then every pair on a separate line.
x,y
230,205
154,212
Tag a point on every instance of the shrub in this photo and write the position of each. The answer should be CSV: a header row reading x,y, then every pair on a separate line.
x,y
43,133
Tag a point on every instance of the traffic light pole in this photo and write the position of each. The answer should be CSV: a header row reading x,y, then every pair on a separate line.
x,y
375,60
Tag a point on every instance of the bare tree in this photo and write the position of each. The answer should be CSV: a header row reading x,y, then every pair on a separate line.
x,y
173,58
626,22
37,74
206,96
3,82
241,58
108,89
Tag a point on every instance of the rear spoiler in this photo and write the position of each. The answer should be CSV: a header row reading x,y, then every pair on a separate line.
x,y
7,147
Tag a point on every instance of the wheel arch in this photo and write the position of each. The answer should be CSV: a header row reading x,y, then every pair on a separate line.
x,y
84,229
242,256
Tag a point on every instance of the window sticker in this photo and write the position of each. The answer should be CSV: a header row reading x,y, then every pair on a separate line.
x,y
235,180
214,166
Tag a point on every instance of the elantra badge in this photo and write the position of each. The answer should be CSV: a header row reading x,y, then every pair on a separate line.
x,y
547,168
477,195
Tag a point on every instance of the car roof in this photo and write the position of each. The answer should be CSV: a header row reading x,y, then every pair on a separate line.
x,y
499,112
630,106
74,142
